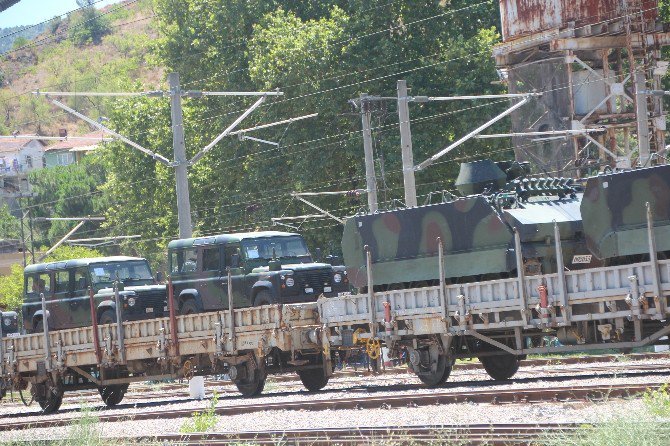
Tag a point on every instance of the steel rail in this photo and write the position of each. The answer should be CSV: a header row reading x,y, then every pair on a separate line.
x,y
440,397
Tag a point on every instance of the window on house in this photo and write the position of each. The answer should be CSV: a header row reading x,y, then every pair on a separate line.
x,y
29,161
64,159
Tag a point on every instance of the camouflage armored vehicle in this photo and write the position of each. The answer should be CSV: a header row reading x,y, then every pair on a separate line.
x,y
65,286
605,222
266,268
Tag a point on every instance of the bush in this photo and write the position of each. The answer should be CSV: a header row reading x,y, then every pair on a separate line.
x,y
87,27
202,421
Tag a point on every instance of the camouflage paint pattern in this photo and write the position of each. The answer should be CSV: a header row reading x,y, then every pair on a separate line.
x,y
403,243
615,215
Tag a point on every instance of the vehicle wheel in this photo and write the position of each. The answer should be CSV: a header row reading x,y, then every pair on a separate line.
x,y
439,376
254,385
500,367
113,395
264,297
107,317
53,400
313,379
189,307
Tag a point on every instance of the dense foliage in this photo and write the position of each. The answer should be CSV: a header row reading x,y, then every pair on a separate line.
x,y
320,55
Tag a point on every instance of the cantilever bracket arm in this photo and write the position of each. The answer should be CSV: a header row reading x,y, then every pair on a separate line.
x,y
99,126
227,131
470,135
61,241
337,219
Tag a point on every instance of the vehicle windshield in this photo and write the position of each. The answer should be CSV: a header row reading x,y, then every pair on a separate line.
x,y
135,272
289,247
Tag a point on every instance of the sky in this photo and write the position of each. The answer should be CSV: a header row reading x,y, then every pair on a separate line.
x,y
31,12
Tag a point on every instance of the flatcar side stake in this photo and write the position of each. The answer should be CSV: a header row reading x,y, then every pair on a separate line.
x,y
231,311
45,328
371,294
119,325
653,260
521,279
563,295
173,318
443,295
94,325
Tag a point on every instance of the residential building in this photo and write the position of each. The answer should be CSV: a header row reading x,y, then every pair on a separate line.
x,y
71,151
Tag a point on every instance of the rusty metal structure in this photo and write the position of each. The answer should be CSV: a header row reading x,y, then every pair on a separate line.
x,y
597,62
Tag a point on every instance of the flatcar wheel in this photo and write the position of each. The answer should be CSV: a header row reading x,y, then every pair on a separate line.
x,y
439,375
113,395
52,400
249,388
500,367
313,379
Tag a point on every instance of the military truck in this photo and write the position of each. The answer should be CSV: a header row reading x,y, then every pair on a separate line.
x,y
65,286
266,268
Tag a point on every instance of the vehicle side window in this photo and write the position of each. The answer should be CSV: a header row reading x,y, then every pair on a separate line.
x,y
210,259
38,283
229,251
31,284
62,281
184,261
80,279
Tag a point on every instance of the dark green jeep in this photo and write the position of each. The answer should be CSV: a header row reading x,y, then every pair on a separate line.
x,y
266,268
65,286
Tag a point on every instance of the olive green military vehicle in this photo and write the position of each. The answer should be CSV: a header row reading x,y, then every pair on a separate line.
x,y
266,268
65,286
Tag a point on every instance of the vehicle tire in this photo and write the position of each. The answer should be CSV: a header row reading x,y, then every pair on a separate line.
x,y
54,399
107,317
500,367
113,395
264,297
440,375
313,379
189,307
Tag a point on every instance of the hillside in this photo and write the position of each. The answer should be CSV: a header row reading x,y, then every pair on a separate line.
x,y
9,35
59,59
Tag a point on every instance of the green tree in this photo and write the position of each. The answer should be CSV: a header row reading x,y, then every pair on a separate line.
x,y
66,191
9,225
87,26
19,42
321,55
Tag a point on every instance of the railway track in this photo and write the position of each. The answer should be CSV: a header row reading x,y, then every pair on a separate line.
x,y
224,387
496,434
435,397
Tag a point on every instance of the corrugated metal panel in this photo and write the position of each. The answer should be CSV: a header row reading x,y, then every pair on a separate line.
x,y
524,17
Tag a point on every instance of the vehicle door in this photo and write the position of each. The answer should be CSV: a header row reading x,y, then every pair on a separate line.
x,y
184,270
35,284
210,280
240,293
60,310
79,303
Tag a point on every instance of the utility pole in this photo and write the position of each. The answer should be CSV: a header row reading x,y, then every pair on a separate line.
x,y
406,145
370,179
181,163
